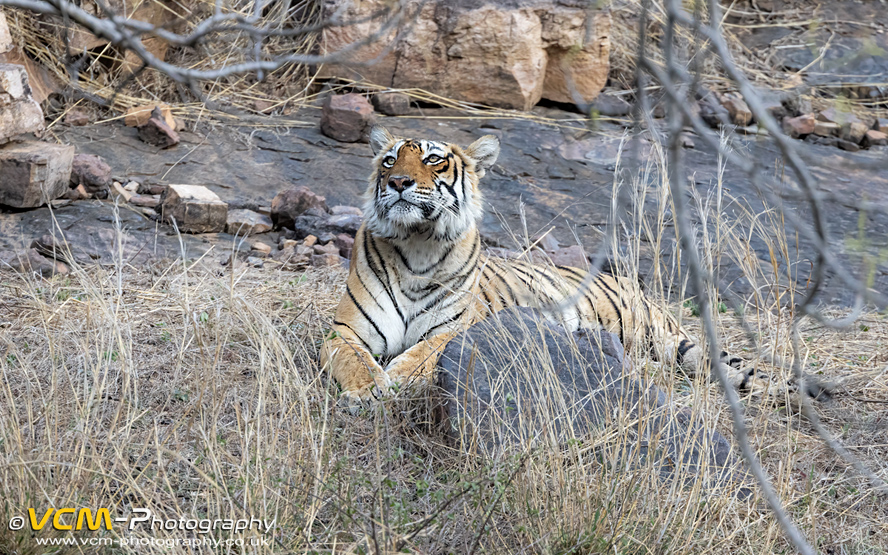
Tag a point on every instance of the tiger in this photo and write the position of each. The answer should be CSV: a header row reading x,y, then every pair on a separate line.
x,y
418,275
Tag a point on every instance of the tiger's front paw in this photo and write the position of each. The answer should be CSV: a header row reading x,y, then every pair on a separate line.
x,y
380,387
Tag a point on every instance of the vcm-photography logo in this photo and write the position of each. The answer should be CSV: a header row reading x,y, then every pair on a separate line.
x,y
80,518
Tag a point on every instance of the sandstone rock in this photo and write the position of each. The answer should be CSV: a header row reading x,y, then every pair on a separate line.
x,y
310,241
854,131
132,187
194,208
875,138
140,115
826,128
346,117
737,109
77,193
287,244
297,256
324,226
156,131
77,117
881,124
346,244
508,54
151,189
34,173
326,260
260,249
573,256
329,248
799,126
145,201
392,103
246,222
5,38
119,193
19,113
289,204
92,172
342,209
840,117
498,389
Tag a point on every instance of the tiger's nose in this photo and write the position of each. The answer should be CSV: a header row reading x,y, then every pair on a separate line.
x,y
399,183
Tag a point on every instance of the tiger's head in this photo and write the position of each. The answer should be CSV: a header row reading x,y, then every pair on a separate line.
x,y
425,188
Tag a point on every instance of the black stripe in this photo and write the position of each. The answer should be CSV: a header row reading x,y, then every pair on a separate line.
x,y
448,321
361,339
434,264
683,348
369,319
384,269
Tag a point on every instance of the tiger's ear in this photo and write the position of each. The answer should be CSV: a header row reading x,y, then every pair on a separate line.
x,y
380,138
484,152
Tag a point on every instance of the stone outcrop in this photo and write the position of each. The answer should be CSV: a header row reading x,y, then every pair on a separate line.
x,y
34,173
19,113
194,208
511,53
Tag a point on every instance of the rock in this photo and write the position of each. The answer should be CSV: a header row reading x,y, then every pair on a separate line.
x,y
32,261
881,124
392,103
298,256
151,189
132,187
837,116
854,131
686,140
573,256
289,204
501,381
19,113
194,208
255,262
346,117
156,131
48,247
93,173
547,242
325,227
848,145
346,244
119,193
826,128
260,249
342,209
875,138
287,244
799,126
145,201
327,260
797,106
77,117
773,106
246,222
738,110
310,241
507,54
6,43
712,112
329,248
140,115
34,173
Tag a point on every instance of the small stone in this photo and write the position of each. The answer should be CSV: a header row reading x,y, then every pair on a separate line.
x,y
255,262
341,209
77,193
262,248
77,117
837,116
93,173
32,261
288,243
326,260
881,124
156,131
346,244
875,138
573,256
346,117
799,126
34,173
848,145
686,141
246,222
151,189
738,110
145,201
310,241
140,115
329,248
132,187
826,128
773,106
854,131
118,192
711,110
194,208
392,103
289,204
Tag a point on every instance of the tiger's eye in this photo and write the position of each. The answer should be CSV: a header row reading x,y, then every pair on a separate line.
x,y
433,159
388,161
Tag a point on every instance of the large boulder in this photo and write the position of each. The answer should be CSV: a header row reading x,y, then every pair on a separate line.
x,y
19,113
510,53
194,209
516,381
33,173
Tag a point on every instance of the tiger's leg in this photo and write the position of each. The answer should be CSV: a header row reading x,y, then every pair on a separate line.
x,y
416,365
352,365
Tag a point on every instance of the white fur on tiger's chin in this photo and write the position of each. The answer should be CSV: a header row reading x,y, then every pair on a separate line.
x,y
404,222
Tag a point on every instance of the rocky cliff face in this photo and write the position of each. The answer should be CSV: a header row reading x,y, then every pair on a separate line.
x,y
511,54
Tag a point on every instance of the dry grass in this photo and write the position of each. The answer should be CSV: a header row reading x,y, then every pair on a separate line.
x,y
194,392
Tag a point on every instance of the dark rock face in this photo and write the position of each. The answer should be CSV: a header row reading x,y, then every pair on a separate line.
x,y
516,381
92,172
